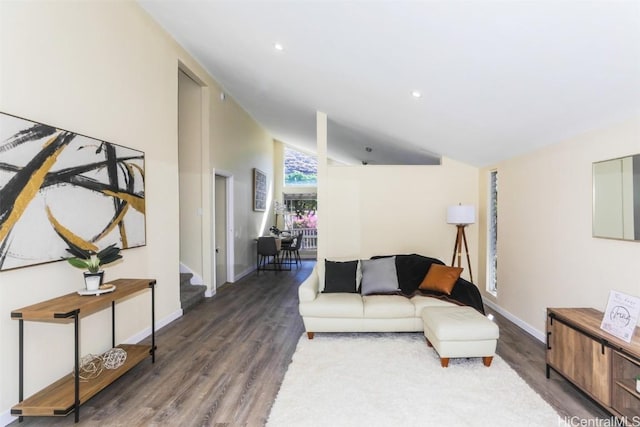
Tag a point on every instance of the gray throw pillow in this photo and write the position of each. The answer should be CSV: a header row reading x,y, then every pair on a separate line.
x,y
379,276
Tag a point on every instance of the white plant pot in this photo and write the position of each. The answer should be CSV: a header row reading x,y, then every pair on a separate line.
x,y
93,281
638,386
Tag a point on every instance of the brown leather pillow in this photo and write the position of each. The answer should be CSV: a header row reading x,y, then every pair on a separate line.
x,y
440,278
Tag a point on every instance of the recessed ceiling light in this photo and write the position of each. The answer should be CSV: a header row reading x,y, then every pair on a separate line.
x,y
416,94
278,46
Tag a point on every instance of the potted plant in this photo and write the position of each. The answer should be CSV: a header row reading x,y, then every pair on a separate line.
x,y
275,231
92,261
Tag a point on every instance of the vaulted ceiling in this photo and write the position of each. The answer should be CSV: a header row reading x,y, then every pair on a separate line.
x,y
496,79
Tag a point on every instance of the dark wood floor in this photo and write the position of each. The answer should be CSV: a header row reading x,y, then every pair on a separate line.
x,y
222,363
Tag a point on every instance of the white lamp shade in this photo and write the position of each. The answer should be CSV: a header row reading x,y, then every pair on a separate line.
x,y
461,214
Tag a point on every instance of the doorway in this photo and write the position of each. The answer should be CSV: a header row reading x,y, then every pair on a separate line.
x,y
189,172
223,228
220,214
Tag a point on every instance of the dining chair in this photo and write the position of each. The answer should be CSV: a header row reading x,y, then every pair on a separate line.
x,y
268,253
269,258
292,252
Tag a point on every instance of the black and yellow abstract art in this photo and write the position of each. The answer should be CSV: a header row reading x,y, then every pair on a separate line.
x,y
58,187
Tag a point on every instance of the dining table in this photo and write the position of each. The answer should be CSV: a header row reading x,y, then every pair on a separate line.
x,y
282,242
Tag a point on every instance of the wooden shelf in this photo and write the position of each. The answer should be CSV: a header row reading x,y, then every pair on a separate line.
x,y
629,385
625,398
68,393
62,308
58,398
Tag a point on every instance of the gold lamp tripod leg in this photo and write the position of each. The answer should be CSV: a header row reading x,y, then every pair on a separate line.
x,y
461,237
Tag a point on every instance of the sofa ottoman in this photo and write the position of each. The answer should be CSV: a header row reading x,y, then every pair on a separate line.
x,y
460,332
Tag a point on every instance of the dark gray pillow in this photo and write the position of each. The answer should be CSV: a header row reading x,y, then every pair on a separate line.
x,y
379,276
340,276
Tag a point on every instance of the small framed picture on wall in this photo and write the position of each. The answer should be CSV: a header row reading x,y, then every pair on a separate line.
x,y
259,190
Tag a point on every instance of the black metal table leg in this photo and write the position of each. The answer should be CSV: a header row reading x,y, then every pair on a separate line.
x,y
76,369
21,363
113,324
153,321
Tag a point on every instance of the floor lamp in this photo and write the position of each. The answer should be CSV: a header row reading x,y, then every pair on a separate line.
x,y
461,216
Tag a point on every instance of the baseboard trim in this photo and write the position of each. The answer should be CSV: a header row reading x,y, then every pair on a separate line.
x,y
159,325
244,273
6,418
539,335
209,293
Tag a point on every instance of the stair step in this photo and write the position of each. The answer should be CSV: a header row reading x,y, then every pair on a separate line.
x,y
190,295
185,278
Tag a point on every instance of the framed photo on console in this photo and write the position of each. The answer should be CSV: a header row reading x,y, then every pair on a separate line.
x,y
621,315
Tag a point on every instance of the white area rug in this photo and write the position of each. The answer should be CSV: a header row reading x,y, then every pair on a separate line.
x,y
396,380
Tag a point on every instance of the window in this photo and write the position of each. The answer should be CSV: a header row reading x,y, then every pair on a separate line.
x,y
299,168
492,260
300,210
301,217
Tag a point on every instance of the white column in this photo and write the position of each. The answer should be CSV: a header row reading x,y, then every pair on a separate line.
x,y
321,140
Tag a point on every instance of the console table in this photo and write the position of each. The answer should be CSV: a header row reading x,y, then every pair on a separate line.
x,y
601,365
68,393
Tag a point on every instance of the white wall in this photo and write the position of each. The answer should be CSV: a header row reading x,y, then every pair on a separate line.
x,y
239,144
547,256
190,172
106,70
377,210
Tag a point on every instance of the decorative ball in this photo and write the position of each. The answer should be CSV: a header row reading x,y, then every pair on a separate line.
x,y
90,367
114,358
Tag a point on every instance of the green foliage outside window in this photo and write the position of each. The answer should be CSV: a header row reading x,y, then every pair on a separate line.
x,y
298,178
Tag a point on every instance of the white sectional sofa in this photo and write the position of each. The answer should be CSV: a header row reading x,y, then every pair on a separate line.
x,y
397,312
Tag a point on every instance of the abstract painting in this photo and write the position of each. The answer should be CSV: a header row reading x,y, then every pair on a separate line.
x,y
58,187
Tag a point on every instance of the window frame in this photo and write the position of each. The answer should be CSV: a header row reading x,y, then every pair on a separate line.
x,y
492,233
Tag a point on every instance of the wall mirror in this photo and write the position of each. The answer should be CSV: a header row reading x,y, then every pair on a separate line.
x,y
616,198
